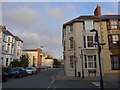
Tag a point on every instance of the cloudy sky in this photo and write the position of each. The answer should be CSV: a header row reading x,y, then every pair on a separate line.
x,y
40,23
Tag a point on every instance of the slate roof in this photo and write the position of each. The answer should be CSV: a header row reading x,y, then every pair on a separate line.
x,y
17,38
7,32
92,17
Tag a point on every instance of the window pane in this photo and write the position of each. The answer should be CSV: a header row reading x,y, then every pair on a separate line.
x,y
90,44
90,65
84,39
115,59
90,58
115,38
115,64
89,38
71,28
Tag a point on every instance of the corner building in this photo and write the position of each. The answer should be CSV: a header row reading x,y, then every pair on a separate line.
x,y
79,52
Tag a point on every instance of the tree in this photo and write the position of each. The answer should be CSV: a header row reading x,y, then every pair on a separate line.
x,y
24,60
56,63
15,63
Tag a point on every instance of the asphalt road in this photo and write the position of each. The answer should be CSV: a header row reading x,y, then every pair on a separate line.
x,y
46,79
39,80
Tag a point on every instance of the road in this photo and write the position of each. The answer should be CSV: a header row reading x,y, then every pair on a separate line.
x,y
39,80
46,79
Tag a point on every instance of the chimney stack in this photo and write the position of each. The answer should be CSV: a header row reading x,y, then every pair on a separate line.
x,y
97,11
3,27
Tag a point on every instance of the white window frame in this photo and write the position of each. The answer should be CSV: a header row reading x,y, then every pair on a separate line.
x,y
86,41
93,61
85,25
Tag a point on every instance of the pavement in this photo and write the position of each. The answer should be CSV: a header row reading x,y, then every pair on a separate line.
x,y
61,76
109,82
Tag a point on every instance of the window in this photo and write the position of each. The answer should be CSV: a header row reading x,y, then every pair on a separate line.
x,y
115,62
18,43
113,24
71,62
90,62
71,28
2,47
2,61
18,52
6,61
3,37
114,41
88,25
88,41
83,25
71,43
8,39
8,49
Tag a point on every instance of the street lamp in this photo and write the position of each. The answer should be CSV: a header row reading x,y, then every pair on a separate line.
x,y
97,42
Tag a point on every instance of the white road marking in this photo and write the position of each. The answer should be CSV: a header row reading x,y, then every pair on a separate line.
x,y
97,84
50,85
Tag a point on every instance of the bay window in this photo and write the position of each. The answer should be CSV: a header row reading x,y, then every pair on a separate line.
x,y
115,62
114,41
112,24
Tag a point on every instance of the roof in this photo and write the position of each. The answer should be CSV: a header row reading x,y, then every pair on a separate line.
x,y
17,38
7,32
91,17
48,58
110,17
30,50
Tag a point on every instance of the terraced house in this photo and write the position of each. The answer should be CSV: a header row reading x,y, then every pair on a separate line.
x,y
79,51
8,47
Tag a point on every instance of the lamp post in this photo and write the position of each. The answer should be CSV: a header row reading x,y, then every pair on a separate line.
x,y
97,42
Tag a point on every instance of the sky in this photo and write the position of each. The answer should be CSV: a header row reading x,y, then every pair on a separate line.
x,y
40,23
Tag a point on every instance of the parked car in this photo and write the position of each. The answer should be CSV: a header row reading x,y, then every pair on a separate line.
x,y
31,70
17,72
4,76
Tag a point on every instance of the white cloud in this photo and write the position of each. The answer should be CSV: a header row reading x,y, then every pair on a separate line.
x,y
22,17
56,12
59,12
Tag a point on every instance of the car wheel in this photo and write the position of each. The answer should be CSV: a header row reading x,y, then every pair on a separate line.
x,y
32,73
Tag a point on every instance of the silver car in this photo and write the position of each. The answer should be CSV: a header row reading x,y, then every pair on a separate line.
x,y
31,70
